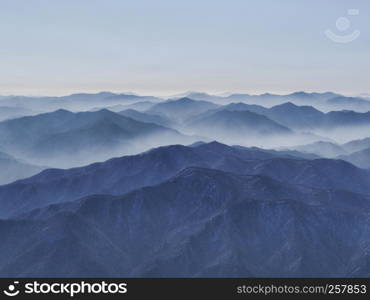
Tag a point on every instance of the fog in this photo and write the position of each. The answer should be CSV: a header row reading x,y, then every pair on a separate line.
x,y
82,147
262,140
344,134
75,157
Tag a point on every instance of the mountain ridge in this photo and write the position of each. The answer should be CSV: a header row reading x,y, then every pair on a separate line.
x,y
224,225
159,164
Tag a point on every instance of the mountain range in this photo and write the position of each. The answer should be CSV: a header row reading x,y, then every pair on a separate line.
x,y
74,102
197,185
13,169
323,149
147,118
10,112
359,158
357,145
181,109
67,139
302,117
225,224
236,126
155,166
326,101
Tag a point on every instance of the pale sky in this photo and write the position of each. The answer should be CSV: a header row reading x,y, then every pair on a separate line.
x,y
163,47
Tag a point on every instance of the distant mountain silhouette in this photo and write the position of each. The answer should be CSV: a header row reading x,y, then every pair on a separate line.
x,y
357,145
267,99
63,138
182,108
323,101
9,112
81,101
360,158
239,106
293,116
139,106
227,124
347,118
300,117
318,100
197,96
349,103
12,169
318,96
284,152
146,117
323,149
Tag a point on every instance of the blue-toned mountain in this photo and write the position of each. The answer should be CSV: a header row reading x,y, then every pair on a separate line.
x,y
199,223
121,175
66,139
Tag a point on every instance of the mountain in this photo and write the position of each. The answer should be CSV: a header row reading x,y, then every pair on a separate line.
x,y
74,102
139,106
230,107
293,116
9,112
323,149
66,139
234,126
357,145
131,98
349,103
146,117
318,100
301,96
199,223
347,118
319,173
181,109
12,169
148,168
266,99
242,107
360,159
198,96
330,101
121,175
263,99
83,101
301,117
327,101
287,114
307,117
284,153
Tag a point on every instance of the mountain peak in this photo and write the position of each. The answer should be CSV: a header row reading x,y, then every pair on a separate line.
x,y
105,111
214,145
62,111
299,93
289,105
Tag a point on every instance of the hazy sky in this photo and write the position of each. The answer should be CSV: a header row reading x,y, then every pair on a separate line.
x,y
162,47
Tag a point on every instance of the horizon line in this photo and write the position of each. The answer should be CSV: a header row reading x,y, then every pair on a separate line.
x,y
183,94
